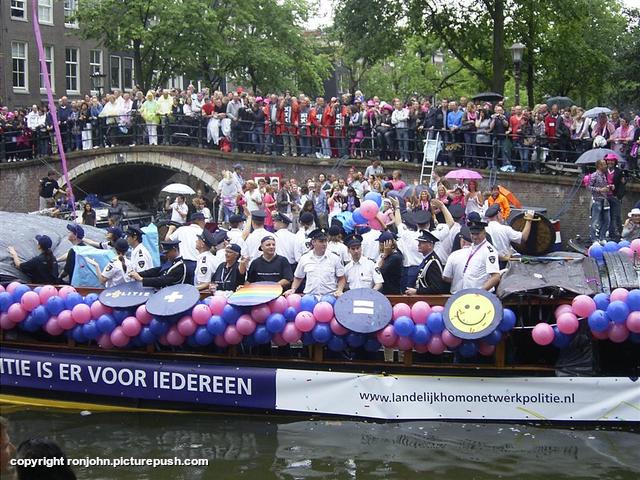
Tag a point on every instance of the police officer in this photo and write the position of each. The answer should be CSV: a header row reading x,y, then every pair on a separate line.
x,y
230,274
481,269
323,271
171,272
361,272
429,279
140,256
236,224
117,270
454,268
502,236
270,267
42,268
207,262
286,240
253,234
390,263
303,242
113,234
187,236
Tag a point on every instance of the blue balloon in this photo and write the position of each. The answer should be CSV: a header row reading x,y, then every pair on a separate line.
x,y
249,341
624,243
336,344
611,246
230,314
40,315
90,330
561,340
321,333
6,299
191,341
421,335
404,326
77,335
633,300
55,305
207,301
275,322
216,325
307,339
356,340
375,196
19,291
29,324
357,217
598,321
90,298
508,320
596,251
106,323
602,301
73,299
329,299
618,311
119,315
372,345
307,303
468,349
435,322
261,335
158,327
290,314
493,338
147,336
37,289
202,336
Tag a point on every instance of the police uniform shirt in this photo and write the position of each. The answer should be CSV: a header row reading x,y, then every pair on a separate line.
x,y
408,245
481,262
362,274
235,236
188,236
502,236
429,279
286,245
322,273
443,247
115,273
339,249
252,243
454,268
169,273
141,258
370,244
206,266
302,242
261,270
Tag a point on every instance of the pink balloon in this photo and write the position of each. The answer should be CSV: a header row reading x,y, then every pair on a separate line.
x,y
376,224
52,327
98,309
220,341
421,348
174,337
405,343
145,317
401,310
12,286
232,336
619,294
278,340
337,328
291,334
568,323
65,320
626,251
81,313
543,334
635,246
245,325
162,340
217,304
279,305
66,290
186,326
200,314
369,209
633,322
119,338
618,333
16,313
260,313
5,323
583,306
436,346
449,339
486,349
601,335
419,312
131,326
305,321
104,341
437,308
29,301
1,289
323,311
294,300
564,308
47,292
387,336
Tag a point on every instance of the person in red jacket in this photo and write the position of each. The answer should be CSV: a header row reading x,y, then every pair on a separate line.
x,y
341,116
306,116
551,125
290,122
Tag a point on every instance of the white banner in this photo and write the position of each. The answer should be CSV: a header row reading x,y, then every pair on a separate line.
x,y
412,397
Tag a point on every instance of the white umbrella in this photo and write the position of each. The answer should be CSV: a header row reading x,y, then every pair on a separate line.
x,y
594,112
592,156
179,189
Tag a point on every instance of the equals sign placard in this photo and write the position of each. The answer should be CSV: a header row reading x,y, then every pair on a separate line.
x,y
363,306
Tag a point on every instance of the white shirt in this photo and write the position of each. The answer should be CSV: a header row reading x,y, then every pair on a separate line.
x,y
454,268
32,120
302,242
371,246
287,245
141,258
176,210
339,249
252,199
322,273
502,236
206,212
481,262
115,274
252,243
362,274
188,236
445,245
235,236
206,266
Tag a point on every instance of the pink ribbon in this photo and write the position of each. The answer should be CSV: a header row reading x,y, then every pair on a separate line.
x,y
52,105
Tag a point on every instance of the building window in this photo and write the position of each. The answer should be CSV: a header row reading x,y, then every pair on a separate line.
x,y
116,72
19,51
95,61
45,11
72,69
18,9
127,73
48,55
70,10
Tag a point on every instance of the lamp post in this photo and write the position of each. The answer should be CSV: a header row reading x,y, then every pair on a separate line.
x,y
517,49
97,80
438,60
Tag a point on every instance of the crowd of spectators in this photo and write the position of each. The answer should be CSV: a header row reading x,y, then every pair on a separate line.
x,y
474,134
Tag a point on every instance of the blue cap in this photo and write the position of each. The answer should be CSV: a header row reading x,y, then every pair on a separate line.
x,y
353,240
76,229
235,248
387,235
208,238
306,217
166,246
134,232
492,211
235,218
421,217
197,216
258,215
121,245
426,236
318,234
115,231
44,241
281,217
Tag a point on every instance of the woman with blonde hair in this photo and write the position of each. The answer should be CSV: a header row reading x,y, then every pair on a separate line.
x,y
149,111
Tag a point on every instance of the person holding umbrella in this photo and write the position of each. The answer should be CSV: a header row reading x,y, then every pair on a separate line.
x,y
616,181
599,188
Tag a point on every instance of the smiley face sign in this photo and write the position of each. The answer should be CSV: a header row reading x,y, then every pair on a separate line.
x,y
472,313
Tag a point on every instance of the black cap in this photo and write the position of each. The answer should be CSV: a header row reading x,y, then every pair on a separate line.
x,y
334,230
44,241
234,247
426,236
306,217
353,240
476,226
166,246
386,235
281,217
208,238
134,232
492,211
197,216
121,245
235,218
258,215
465,233
265,239
456,211
219,236
421,217
474,217
115,231
76,229
318,234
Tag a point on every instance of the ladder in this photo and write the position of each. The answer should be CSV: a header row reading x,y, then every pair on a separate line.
x,y
432,147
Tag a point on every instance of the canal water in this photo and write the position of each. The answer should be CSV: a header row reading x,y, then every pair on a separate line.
x,y
269,447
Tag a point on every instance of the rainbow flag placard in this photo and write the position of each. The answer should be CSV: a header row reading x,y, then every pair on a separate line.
x,y
255,294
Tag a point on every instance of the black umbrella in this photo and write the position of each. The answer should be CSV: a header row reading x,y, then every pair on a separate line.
x,y
488,97
562,102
